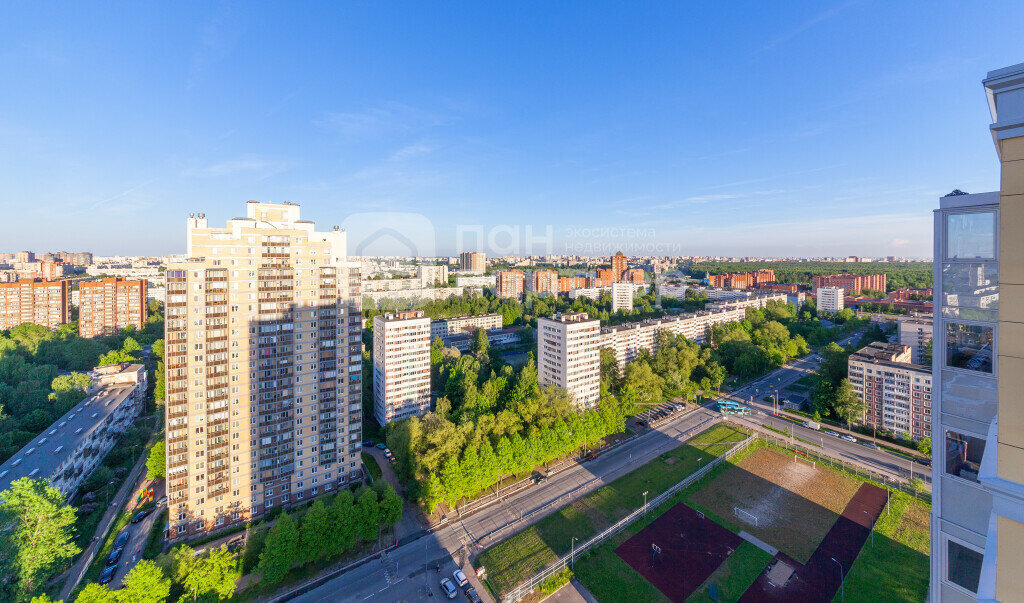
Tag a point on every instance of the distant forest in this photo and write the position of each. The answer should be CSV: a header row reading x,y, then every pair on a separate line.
x,y
914,275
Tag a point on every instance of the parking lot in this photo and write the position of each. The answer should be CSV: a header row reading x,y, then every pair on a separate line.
x,y
655,415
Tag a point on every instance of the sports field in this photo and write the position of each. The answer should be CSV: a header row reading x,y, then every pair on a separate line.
x,y
788,503
514,560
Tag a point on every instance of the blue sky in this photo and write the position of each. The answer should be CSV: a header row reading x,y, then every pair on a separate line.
x,y
777,128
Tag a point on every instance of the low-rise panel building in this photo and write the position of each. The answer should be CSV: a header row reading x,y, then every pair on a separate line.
x,y
70,449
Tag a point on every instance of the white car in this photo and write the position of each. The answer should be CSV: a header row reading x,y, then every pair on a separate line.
x,y
848,438
460,578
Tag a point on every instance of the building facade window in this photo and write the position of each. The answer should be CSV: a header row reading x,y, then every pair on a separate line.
x,y
963,565
969,346
963,455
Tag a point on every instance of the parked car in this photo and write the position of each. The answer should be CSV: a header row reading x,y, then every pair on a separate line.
x,y
392,460
369,444
382,445
870,445
680,407
114,555
590,457
460,577
449,589
539,478
141,515
122,539
162,501
107,574
848,438
472,596
387,452
831,433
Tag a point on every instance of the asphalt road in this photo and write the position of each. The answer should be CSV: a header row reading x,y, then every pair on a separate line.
x,y
139,534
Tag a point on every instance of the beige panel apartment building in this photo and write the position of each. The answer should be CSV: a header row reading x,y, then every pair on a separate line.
x,y
897,394
473,261
629,339
509,284
109,305
263,368
444,327
568,355
46,303
401,366
544,282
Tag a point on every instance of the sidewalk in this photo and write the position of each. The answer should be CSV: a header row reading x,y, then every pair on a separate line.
x,y
77,571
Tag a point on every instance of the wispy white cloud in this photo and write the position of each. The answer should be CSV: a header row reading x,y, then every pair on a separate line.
x,y
411,151
389,119
806,25
261,167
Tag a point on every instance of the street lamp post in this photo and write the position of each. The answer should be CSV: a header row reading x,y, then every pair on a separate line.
x,y
645,503
871,527
572,555
842,589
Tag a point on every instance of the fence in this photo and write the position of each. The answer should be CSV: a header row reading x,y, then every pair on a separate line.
x,y
527,587
822,457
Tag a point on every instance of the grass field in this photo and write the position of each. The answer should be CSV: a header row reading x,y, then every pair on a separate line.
x,y
902,539
795,503
524,554
735,575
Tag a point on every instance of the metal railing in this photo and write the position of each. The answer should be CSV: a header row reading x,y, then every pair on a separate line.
x,y
535,581
903,485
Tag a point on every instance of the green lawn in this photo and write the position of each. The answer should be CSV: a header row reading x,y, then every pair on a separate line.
x,y
609,578
735,575
524,554
895,567
371,465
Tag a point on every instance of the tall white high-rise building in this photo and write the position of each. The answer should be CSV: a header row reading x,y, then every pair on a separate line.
x,y
830,299
622,297
263,365
401,365
569,356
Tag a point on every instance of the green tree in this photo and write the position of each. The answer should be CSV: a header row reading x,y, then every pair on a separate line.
x,y
179,563
390,506
146,583
254,546
848,404
39,534
367,515
215,573
96,593
131,347
924,446
479,343
315,532
156,463
115,357
343,529
280,551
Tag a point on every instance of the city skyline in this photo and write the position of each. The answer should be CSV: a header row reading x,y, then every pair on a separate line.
x,y
728,139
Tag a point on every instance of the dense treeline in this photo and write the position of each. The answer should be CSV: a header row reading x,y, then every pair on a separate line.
x,y
490,422
759,343
914,275
42,373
